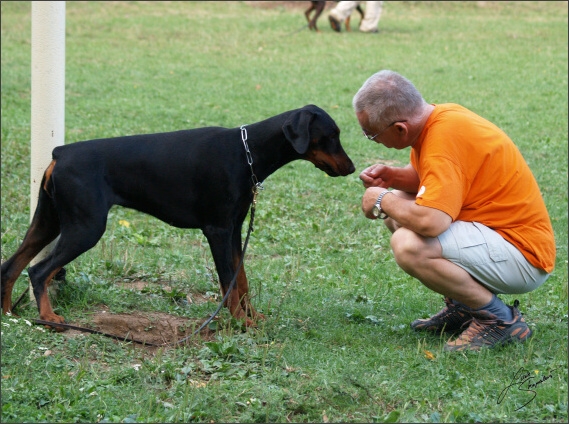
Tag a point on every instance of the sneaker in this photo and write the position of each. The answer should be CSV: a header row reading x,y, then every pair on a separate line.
x,y
485,330
335,24
451,319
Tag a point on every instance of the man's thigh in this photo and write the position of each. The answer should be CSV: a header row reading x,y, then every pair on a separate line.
x,y
489,258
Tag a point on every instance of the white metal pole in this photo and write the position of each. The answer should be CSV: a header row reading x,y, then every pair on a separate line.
x,y
48,93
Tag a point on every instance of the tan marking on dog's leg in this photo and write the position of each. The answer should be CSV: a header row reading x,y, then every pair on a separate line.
x,y
46,311
47,174
243,289
234,304
236,309
7,300
25,253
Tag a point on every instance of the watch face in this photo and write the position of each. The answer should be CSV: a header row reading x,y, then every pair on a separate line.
x,y
375,211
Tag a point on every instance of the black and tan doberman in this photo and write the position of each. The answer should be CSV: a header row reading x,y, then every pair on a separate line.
x,y
198,178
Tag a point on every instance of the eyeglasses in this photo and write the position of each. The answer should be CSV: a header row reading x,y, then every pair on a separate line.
x,y
372,137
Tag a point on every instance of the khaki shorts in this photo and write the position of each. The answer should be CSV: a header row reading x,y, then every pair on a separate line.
x,y
490,259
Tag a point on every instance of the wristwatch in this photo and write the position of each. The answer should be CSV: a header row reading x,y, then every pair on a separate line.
x,y
376,210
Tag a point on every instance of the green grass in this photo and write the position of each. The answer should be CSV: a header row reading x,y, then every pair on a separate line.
x,y
336,345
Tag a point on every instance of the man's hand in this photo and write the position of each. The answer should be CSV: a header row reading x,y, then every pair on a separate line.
x,y
385,176
377,175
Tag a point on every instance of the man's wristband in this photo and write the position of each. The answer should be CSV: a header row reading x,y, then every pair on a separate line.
x,y
376,210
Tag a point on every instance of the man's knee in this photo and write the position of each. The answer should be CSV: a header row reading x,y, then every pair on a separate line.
x,y
412,250
405,245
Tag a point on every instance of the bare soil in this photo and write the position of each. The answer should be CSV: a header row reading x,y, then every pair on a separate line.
x,y
157,328
154,328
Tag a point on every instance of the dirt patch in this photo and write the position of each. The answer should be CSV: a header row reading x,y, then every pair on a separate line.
x,y
152,327
159,329
148,330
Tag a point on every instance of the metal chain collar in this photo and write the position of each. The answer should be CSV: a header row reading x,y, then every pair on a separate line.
x,y
256,184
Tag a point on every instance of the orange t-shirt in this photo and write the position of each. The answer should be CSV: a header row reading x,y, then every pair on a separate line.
x,y
471,170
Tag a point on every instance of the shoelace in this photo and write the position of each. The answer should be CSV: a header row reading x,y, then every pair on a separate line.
x,y
478,328
452,315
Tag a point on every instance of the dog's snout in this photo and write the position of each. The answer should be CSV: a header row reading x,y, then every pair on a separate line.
x,y
344,163
345,167
338,165
351,167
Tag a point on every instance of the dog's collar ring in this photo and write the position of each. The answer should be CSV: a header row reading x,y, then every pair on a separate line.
x,y
256,184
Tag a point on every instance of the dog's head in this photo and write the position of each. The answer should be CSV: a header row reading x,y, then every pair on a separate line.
x,y
315,136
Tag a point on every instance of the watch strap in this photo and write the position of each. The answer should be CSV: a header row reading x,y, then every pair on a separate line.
x,y
378,212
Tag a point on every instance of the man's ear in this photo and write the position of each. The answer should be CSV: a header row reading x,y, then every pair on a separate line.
x,y
401,128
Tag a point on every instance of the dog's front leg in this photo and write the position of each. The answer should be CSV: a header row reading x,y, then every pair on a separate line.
x,y
242,287
242,284
220,243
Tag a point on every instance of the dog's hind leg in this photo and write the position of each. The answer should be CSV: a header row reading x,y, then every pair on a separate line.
x,y
76,238
42,231
82,215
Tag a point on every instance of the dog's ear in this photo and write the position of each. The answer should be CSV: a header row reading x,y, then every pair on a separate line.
x,y
297,129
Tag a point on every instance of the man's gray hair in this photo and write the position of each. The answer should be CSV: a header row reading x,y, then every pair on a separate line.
x,y
386,97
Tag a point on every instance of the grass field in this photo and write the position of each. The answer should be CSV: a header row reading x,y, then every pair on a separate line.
x,y
336,345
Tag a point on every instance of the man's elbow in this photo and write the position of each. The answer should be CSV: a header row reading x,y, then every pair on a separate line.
x,y
429,227
431,232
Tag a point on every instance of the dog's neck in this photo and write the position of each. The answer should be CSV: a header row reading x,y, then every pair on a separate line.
x,y
266,161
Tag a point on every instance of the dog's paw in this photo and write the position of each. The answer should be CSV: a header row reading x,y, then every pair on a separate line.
x,y
256,316
53,318
249,323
